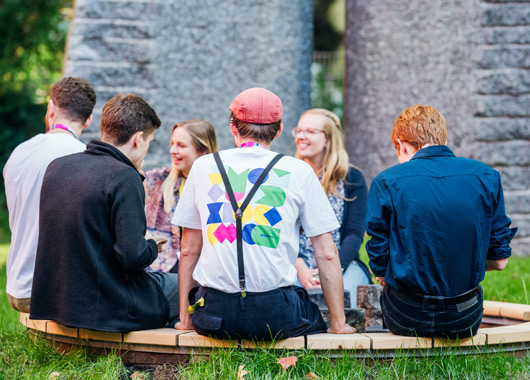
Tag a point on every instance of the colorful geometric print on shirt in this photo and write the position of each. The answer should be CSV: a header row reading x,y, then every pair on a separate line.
x,y
259,218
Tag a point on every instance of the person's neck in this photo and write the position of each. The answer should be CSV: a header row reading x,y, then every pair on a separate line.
x,y
251,141
315,163
66,126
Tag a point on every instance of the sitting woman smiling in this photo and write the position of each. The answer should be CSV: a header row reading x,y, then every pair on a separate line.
x,y
319,142
190,139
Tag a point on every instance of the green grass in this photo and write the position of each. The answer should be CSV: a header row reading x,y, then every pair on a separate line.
x,y
22,358
262,365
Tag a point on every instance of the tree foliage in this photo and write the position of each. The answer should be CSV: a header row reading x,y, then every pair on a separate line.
x,y
33,35
32,39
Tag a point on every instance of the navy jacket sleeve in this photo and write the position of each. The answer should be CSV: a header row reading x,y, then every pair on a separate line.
x,y
352,229
501,234
379,212
128,222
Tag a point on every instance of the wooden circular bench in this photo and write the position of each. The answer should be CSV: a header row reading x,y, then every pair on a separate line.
x,y
505,328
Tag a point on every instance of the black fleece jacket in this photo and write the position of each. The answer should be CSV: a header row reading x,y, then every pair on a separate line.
x,y
91,256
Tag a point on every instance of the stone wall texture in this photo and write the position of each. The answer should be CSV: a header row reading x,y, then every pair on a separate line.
x,y
189,59
470,59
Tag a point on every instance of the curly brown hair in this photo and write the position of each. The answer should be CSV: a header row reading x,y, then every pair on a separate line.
x,y
75,97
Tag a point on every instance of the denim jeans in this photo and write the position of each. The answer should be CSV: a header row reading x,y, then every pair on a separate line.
x,y
279,313
354,276
169,282
432,317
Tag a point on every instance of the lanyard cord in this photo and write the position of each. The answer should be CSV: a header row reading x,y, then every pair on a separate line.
x,y
64,127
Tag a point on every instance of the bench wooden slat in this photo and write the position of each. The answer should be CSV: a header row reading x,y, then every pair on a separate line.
x,y
338,342
100,335
36,324
192,339
24,319
389,341
162,337
477,340
507,334
57,329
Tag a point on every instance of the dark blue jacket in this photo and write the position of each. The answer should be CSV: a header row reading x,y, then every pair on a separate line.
x,y
434,221
91,256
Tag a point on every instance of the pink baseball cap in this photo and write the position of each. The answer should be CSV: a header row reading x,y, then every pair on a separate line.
x,y
258,106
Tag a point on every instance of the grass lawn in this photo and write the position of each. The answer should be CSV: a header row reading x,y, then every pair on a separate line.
x,y
20,358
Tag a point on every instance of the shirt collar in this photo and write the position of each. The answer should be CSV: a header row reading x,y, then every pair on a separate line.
x,y
433,151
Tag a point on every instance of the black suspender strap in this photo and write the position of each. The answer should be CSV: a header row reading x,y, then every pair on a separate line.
x,y
238,210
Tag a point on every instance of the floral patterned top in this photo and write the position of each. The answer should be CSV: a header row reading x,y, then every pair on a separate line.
x,y
159,222
337,203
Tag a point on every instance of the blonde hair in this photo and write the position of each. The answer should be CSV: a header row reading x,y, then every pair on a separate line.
x,y
336,161
204,141
419,125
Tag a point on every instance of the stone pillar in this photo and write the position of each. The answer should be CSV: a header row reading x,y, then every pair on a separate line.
x,y
189,59
469,60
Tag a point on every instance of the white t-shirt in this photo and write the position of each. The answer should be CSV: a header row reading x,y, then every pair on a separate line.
x,y
23,174
289,196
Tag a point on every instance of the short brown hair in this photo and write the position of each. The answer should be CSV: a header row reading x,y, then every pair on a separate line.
x,y
75,97
420,125
124,115
260,132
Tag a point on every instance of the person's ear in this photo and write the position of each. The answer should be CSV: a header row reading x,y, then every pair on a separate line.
x,y
137,137
50,113
52,108
233,129
402,148
88,121
278,134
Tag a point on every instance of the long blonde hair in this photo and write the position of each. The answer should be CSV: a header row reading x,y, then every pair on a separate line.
x,y
336,161
203,139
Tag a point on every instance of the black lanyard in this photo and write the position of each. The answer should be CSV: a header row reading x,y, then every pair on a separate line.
x,y
238,211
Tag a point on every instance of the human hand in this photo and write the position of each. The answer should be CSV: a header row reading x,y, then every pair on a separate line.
x,y
160,241
182,326
307,279
342,329
381,280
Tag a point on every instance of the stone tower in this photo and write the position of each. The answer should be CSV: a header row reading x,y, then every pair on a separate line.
x,y
468,59
188,59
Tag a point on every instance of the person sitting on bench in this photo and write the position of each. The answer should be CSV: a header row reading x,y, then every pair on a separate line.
x,y
92,251
240,242
437,223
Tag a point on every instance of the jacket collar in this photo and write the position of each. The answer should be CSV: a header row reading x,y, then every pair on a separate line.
x,y
434,151
100,148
